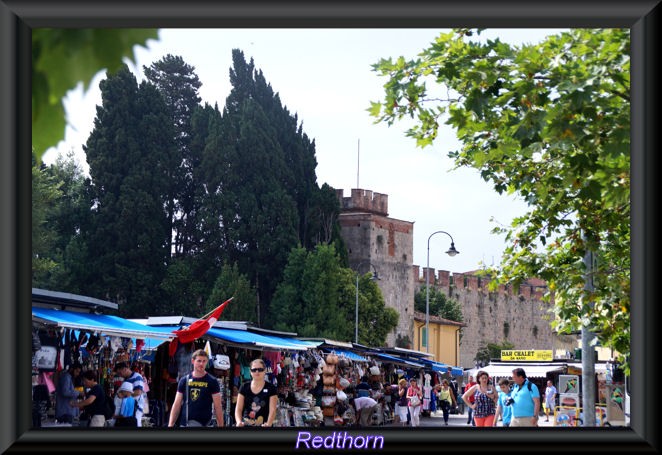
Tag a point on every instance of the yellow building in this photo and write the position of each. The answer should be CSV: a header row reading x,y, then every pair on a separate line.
x,y
444,338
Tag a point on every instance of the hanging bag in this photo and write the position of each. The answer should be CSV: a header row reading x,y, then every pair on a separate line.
x,y
332,358
329,370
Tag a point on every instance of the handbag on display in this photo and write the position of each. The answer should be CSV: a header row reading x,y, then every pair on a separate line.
x,y
332,358
329,370
221,362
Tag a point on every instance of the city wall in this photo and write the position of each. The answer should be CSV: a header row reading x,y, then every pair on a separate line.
x,y
521,318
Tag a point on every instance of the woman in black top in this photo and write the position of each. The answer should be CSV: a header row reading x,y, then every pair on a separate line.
x,y
257,399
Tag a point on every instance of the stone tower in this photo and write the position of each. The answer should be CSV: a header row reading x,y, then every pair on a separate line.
x,y
386,243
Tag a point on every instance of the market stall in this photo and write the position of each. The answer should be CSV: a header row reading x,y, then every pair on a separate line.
x,y
96,341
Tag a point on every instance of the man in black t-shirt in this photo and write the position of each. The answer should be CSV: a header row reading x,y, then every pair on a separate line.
x,y
199,390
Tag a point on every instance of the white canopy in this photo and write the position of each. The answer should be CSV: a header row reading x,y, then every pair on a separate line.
x,y
532,371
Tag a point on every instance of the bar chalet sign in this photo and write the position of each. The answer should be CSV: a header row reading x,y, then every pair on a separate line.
x,y
530,355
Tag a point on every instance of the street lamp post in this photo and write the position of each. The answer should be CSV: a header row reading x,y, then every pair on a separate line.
x,y
451,252
356,318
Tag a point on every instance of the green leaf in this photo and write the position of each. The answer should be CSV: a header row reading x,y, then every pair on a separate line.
x,y
374,109
62,58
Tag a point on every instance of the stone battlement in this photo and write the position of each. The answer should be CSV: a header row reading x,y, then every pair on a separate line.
x,y
521,318
471,281
363,201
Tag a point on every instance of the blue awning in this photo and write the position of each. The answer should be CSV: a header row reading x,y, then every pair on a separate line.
x,y
348,354
257,339
400,360
442,367
102,323
311,344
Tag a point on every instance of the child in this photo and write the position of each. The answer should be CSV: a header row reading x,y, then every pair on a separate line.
x,y
502,409
126,417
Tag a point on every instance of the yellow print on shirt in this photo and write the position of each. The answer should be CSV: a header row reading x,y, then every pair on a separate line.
x,y
194,388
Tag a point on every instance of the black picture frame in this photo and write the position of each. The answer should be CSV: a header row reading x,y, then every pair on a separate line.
x,y
17,18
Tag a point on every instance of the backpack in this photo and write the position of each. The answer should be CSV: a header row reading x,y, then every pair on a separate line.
x,y
528,385
128,421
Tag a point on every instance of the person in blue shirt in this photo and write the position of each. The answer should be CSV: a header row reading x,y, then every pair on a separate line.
x,y
363,388
65,392
506,412
550,400
125,414
524,400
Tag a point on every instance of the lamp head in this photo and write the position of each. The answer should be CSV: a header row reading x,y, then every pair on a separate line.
x,y
452,251
375,276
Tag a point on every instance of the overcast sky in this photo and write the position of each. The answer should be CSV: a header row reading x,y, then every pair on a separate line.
x,y
325,77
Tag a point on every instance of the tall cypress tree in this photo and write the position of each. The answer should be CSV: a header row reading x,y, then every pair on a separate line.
x,y
128,153
179,85
190,276
260,177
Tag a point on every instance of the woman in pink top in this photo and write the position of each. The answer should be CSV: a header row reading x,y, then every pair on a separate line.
x,y
415,411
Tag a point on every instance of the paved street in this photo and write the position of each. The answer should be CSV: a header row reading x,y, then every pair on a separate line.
x,y
455,420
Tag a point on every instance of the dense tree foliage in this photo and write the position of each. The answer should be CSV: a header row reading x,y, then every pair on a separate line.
x,y
317,298
549,122
129,239
259,180
45,194
64,217
186,205
230,283
440,304
178,84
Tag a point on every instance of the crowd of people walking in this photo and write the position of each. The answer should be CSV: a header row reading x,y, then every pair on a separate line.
x,y
513,401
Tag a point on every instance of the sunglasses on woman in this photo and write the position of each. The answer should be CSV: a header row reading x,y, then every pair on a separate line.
x,y
257,370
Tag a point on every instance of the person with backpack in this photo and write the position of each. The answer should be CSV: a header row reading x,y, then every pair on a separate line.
x,y
126,411
95,400
138,382
525,401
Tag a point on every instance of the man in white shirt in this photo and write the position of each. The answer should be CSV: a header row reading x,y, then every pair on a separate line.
x,y
138,383
550,399
365,408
